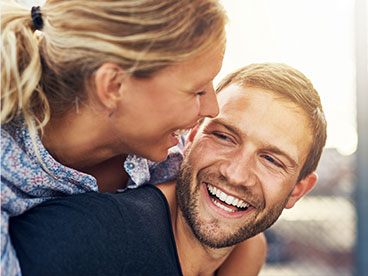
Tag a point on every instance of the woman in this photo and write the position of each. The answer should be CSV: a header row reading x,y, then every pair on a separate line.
x,y
98,82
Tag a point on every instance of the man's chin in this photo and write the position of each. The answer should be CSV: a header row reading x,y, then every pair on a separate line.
x,y
213,237
211,232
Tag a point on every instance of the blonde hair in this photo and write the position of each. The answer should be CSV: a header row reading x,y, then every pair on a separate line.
x,y
290,84
47,75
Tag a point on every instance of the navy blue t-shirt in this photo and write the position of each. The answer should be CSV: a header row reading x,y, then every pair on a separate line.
x,y
127,233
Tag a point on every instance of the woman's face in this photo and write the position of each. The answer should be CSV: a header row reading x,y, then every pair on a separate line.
x,y
152,110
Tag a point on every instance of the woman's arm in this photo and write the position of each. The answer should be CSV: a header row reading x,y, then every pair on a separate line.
x,y
246,259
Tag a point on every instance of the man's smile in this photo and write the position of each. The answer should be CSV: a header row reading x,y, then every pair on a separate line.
x,y
225,198
225,204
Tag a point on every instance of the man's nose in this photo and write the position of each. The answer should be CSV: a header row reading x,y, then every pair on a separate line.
x,y
209,106
239,169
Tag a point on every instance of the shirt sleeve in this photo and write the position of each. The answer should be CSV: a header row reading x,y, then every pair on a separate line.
x,y
168,170
142,171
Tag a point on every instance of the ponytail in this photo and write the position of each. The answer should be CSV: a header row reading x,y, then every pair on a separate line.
x,y
21,93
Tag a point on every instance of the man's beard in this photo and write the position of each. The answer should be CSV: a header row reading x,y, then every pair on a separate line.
x,y
205,233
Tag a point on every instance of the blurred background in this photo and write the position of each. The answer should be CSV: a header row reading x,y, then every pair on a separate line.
x,y
325,233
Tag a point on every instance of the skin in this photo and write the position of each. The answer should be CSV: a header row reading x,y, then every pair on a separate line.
x,y
246,258
254,151
127,115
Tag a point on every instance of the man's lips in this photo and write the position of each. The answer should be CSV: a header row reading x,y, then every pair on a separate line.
x,y
226,198
225,204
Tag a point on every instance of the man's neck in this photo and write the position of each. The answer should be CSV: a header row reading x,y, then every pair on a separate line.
x,y
195,258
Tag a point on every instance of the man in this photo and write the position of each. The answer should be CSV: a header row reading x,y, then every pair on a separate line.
x,y
240,170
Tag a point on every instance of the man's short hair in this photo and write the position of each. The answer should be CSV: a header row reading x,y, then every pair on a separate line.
x,y
291,85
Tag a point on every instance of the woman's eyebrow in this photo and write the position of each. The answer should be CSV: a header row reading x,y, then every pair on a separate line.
x,y
201,85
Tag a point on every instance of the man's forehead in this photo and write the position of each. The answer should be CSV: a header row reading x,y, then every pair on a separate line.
x,y
236,101
231,93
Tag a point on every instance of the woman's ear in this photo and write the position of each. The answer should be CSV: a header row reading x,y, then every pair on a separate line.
x,y
108,81
301,188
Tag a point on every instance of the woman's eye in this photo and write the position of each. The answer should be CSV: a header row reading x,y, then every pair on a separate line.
x,y
200,93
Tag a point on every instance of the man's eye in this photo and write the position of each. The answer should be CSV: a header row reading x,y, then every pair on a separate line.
x,y
272,160
200,93
221,136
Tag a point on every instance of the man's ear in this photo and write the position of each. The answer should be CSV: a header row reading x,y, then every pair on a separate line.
x,y
302,188
108,80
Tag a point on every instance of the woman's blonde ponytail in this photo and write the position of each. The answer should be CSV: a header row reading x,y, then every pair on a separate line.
x,y
21,69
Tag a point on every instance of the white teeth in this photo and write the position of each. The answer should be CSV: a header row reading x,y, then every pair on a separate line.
x,y
218,204
218,193
228,199
223,196
235,202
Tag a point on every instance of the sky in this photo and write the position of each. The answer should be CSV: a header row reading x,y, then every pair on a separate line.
x,y
314,36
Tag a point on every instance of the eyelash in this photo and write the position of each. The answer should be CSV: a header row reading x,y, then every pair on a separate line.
x,y
272,161
222,136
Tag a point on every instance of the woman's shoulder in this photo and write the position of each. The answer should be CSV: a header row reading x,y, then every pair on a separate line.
x,y
167,170
10,141
10,131
142,171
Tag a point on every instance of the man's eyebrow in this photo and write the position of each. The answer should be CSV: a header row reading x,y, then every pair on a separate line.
x,y
268,147
226,124
278,151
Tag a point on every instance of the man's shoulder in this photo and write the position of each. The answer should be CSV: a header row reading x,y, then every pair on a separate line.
x,y
148,198
129,231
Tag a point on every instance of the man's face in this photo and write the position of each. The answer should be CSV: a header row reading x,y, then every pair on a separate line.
x,y
241,168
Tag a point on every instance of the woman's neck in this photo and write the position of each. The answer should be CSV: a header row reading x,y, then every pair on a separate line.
x,y
78,142
110,174
86,146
